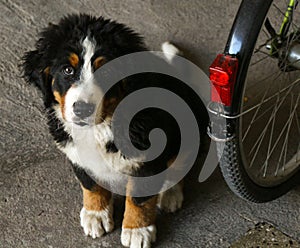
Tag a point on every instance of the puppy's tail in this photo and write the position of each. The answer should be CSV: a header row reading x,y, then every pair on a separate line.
x,y
170,50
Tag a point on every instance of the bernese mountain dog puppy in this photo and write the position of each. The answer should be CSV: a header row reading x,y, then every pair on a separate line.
x,y
63,67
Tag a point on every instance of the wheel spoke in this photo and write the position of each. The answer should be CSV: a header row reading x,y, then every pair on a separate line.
x,y
286,126
263,101
259,141
283,154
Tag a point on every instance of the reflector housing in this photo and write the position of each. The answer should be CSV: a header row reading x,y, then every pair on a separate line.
x,y
222,77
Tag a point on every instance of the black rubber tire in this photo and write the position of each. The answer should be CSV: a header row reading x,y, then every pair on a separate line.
x,y
238,180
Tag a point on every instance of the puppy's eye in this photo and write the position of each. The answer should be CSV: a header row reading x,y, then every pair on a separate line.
x,y
68,70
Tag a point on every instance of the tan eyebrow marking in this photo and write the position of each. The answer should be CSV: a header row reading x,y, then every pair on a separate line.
x,y
74,59
98,62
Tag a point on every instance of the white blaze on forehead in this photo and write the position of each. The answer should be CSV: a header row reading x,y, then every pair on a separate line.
x,y
88,52
86,89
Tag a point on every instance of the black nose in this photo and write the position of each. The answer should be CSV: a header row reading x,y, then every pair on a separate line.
x,y
82,109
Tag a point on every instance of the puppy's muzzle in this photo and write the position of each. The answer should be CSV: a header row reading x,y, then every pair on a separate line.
x,y
83,110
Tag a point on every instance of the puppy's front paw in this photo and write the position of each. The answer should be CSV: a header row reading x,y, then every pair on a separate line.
x,y
96,223
138,237
171,200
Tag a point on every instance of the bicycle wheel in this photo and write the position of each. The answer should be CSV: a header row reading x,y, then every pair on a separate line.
x,y
260,161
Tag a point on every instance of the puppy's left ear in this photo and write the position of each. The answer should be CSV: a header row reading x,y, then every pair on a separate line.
x,y
35,71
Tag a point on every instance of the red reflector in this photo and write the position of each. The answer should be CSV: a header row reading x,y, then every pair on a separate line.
x,y
222,76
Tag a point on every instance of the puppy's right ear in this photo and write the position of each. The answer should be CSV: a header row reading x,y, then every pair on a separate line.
x,y
35,71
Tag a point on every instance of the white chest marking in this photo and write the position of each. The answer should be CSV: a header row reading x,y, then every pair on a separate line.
x,y
88,151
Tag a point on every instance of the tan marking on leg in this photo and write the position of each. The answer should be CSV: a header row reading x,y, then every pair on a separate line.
x,y
139,216
96,199
98,62
74,59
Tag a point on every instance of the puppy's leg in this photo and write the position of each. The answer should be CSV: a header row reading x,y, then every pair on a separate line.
x,y
138,229
171,199
96,216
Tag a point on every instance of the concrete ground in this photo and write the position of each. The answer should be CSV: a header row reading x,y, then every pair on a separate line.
x,y
40,199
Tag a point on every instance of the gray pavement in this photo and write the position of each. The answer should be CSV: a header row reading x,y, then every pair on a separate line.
x,y
40,198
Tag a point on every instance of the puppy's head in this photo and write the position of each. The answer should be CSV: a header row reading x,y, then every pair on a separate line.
x,y
66,56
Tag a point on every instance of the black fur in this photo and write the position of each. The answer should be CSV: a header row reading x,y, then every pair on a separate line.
x,y
85,180
111,147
